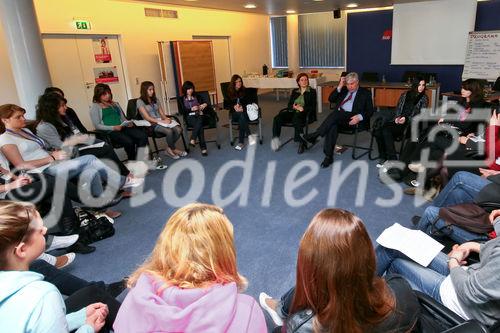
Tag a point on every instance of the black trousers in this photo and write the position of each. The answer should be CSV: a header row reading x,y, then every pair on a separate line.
x,y
242,119
329,129
197,122
131,138
298,119
385,136
41,193
94,294
107,153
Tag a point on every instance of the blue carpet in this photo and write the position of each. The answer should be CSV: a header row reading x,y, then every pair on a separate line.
x,y
267,237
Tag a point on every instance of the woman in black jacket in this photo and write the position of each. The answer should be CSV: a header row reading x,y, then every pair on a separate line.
x,y
472,99
238,101
302,104
410,103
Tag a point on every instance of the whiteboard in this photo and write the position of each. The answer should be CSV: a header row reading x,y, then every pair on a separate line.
x,y
482,60
431,32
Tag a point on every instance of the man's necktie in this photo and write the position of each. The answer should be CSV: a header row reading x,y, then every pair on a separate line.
x,y
346,100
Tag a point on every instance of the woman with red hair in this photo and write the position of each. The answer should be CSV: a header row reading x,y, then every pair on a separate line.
x,y
337,289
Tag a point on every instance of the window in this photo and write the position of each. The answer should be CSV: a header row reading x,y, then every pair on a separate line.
x,y
321,40
279,46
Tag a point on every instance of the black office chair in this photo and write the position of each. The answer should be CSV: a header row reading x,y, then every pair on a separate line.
x,y
310,118
134,114
211,121
369,77
496,85
233,126
402,138
435,317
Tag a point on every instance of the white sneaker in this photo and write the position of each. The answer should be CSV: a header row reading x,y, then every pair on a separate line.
x,y
62,242
274,315
239,146
133,182
48,258
275,143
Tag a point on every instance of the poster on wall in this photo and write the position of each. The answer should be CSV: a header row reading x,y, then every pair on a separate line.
x,y
105,75
101,50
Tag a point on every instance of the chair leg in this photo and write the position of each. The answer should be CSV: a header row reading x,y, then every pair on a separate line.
x,y
184,142
370,155
230,132
261,139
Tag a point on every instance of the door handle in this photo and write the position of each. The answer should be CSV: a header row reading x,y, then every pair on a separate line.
x,y
89,85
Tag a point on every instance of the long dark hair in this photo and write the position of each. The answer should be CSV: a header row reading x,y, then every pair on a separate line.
x,y
144,93
413,96
99,90
49,90
336,275
231,90
186,86
476,88
47,110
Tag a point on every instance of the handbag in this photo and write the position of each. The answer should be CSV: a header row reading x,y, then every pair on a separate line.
x,y
93,228
467,216
253,111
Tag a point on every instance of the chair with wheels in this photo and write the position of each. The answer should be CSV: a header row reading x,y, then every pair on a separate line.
x,y
233,126
210,119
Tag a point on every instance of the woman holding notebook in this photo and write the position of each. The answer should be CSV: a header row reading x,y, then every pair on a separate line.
x,y
162,125
471,291
107,116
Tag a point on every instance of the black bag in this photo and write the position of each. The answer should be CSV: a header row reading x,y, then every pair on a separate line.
x,y
467,216
92,228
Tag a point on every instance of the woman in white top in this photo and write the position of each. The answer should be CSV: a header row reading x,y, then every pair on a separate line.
x,y
151,111
26,151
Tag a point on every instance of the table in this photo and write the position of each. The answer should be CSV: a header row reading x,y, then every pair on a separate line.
x,y
490,97
285,83
386,94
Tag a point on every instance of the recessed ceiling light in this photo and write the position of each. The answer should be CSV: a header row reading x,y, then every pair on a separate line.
x,y
290,11
352,5
250,6
318,0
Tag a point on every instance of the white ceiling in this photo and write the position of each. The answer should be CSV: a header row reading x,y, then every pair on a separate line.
x,y
279,7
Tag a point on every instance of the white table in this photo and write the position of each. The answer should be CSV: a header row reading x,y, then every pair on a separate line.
x,y
285,83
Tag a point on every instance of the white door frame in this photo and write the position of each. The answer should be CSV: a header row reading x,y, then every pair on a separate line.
x,y
126,80
229,46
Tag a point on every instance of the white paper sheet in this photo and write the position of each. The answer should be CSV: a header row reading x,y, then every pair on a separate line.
x,y
171,124
141,123
415,244
95,145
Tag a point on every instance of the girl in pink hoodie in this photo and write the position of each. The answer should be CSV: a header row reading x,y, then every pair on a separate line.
x,y
190,283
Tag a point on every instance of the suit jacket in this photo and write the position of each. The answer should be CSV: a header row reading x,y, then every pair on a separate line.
x,y
310,101
362,104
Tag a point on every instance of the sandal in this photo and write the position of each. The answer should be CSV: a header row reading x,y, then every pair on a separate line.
x,y
171,154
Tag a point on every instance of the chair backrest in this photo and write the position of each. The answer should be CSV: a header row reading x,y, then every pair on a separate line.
x,y
496,86
224,86
369,77
252,94
132,112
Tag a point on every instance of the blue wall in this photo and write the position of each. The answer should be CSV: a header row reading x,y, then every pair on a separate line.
x,y
367,52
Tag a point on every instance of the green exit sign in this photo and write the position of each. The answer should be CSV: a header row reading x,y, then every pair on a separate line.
x,y
82,25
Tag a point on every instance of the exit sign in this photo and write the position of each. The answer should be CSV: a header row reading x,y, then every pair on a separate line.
x,y
82,24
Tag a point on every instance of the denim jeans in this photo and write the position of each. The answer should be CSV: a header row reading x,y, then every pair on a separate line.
x,y
458,234
462,188
99,172
425,279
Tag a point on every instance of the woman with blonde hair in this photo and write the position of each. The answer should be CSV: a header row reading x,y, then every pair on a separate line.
x,y
190,283
337,289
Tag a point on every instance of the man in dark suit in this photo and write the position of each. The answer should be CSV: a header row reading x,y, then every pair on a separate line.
x,y
352,106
